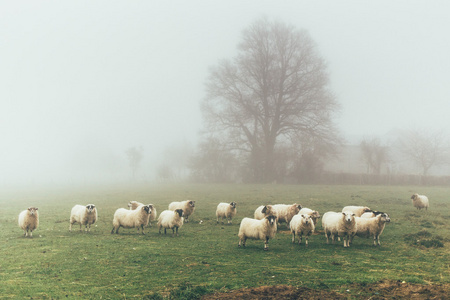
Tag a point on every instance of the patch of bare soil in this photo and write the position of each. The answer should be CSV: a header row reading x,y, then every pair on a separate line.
x,y
379,290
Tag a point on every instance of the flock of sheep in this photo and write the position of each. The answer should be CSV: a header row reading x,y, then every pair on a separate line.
x,y
352,221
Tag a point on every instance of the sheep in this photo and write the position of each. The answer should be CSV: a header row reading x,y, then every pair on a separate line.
x,y
29,220
188,207
285,212
85,215
340,224
420,201
254,229
374,226
131,218
169,219
151,217
313,213
264,210
226,211
357,210
302,224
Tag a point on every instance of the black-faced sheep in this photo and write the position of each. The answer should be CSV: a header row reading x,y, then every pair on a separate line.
x,y
188,207
420,201
151,217
226,211
339,224
263,229
374,226
169,219
137,218
302,225
29,220
84,215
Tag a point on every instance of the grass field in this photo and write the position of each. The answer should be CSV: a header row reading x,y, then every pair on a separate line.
x,y
205,257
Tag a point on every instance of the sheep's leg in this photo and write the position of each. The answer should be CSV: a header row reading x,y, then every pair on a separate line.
x,y
300,236
142,226
332,238
177,230
165,230
159,229
70,226
217,220
306,240
293,237
266,244
326,235
186,219
31,233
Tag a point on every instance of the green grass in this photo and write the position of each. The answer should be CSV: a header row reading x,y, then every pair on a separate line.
x,y
205,257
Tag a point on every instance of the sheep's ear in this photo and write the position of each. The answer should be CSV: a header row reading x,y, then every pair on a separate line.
x,y
264,209
343,213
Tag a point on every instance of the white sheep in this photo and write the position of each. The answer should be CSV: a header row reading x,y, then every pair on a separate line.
x,y
264,210
285,212
131,218
188,207
420,201
169,219
374,226
342,224
357,210
29,220
302,225
254,229
151,217
315,215
85,215
226,211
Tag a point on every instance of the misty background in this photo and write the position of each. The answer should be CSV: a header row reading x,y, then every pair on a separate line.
x,y
82,83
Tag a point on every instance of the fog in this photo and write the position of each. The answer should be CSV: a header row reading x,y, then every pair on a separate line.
x,y
83,81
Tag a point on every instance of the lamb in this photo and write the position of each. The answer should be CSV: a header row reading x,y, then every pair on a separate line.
x,y
340,224
313,213
131,218
254,229
357,210
367,227
285,212
420,201
188,207
302,224
152,216
85,215
264,210
29,220
226,211
169,219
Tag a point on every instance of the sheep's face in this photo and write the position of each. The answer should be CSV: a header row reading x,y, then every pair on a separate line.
x,y
349,216
366,209
90,208
414,197
306,219
315,214
151,206
385,217
147,209
191,203
179,212
272,220
233,204
32,210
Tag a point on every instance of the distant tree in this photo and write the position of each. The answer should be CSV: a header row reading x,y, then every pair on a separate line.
x,y
425,148
135,156
165,172
374,155
275,87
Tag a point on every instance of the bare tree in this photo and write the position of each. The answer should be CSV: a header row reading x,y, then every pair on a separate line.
x,y
135,156
374,155
276,86
426,149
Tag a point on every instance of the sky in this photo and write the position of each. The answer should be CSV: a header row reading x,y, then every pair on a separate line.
x,y
83,81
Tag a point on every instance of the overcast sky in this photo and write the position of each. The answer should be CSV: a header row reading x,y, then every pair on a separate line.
x,y
82,81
